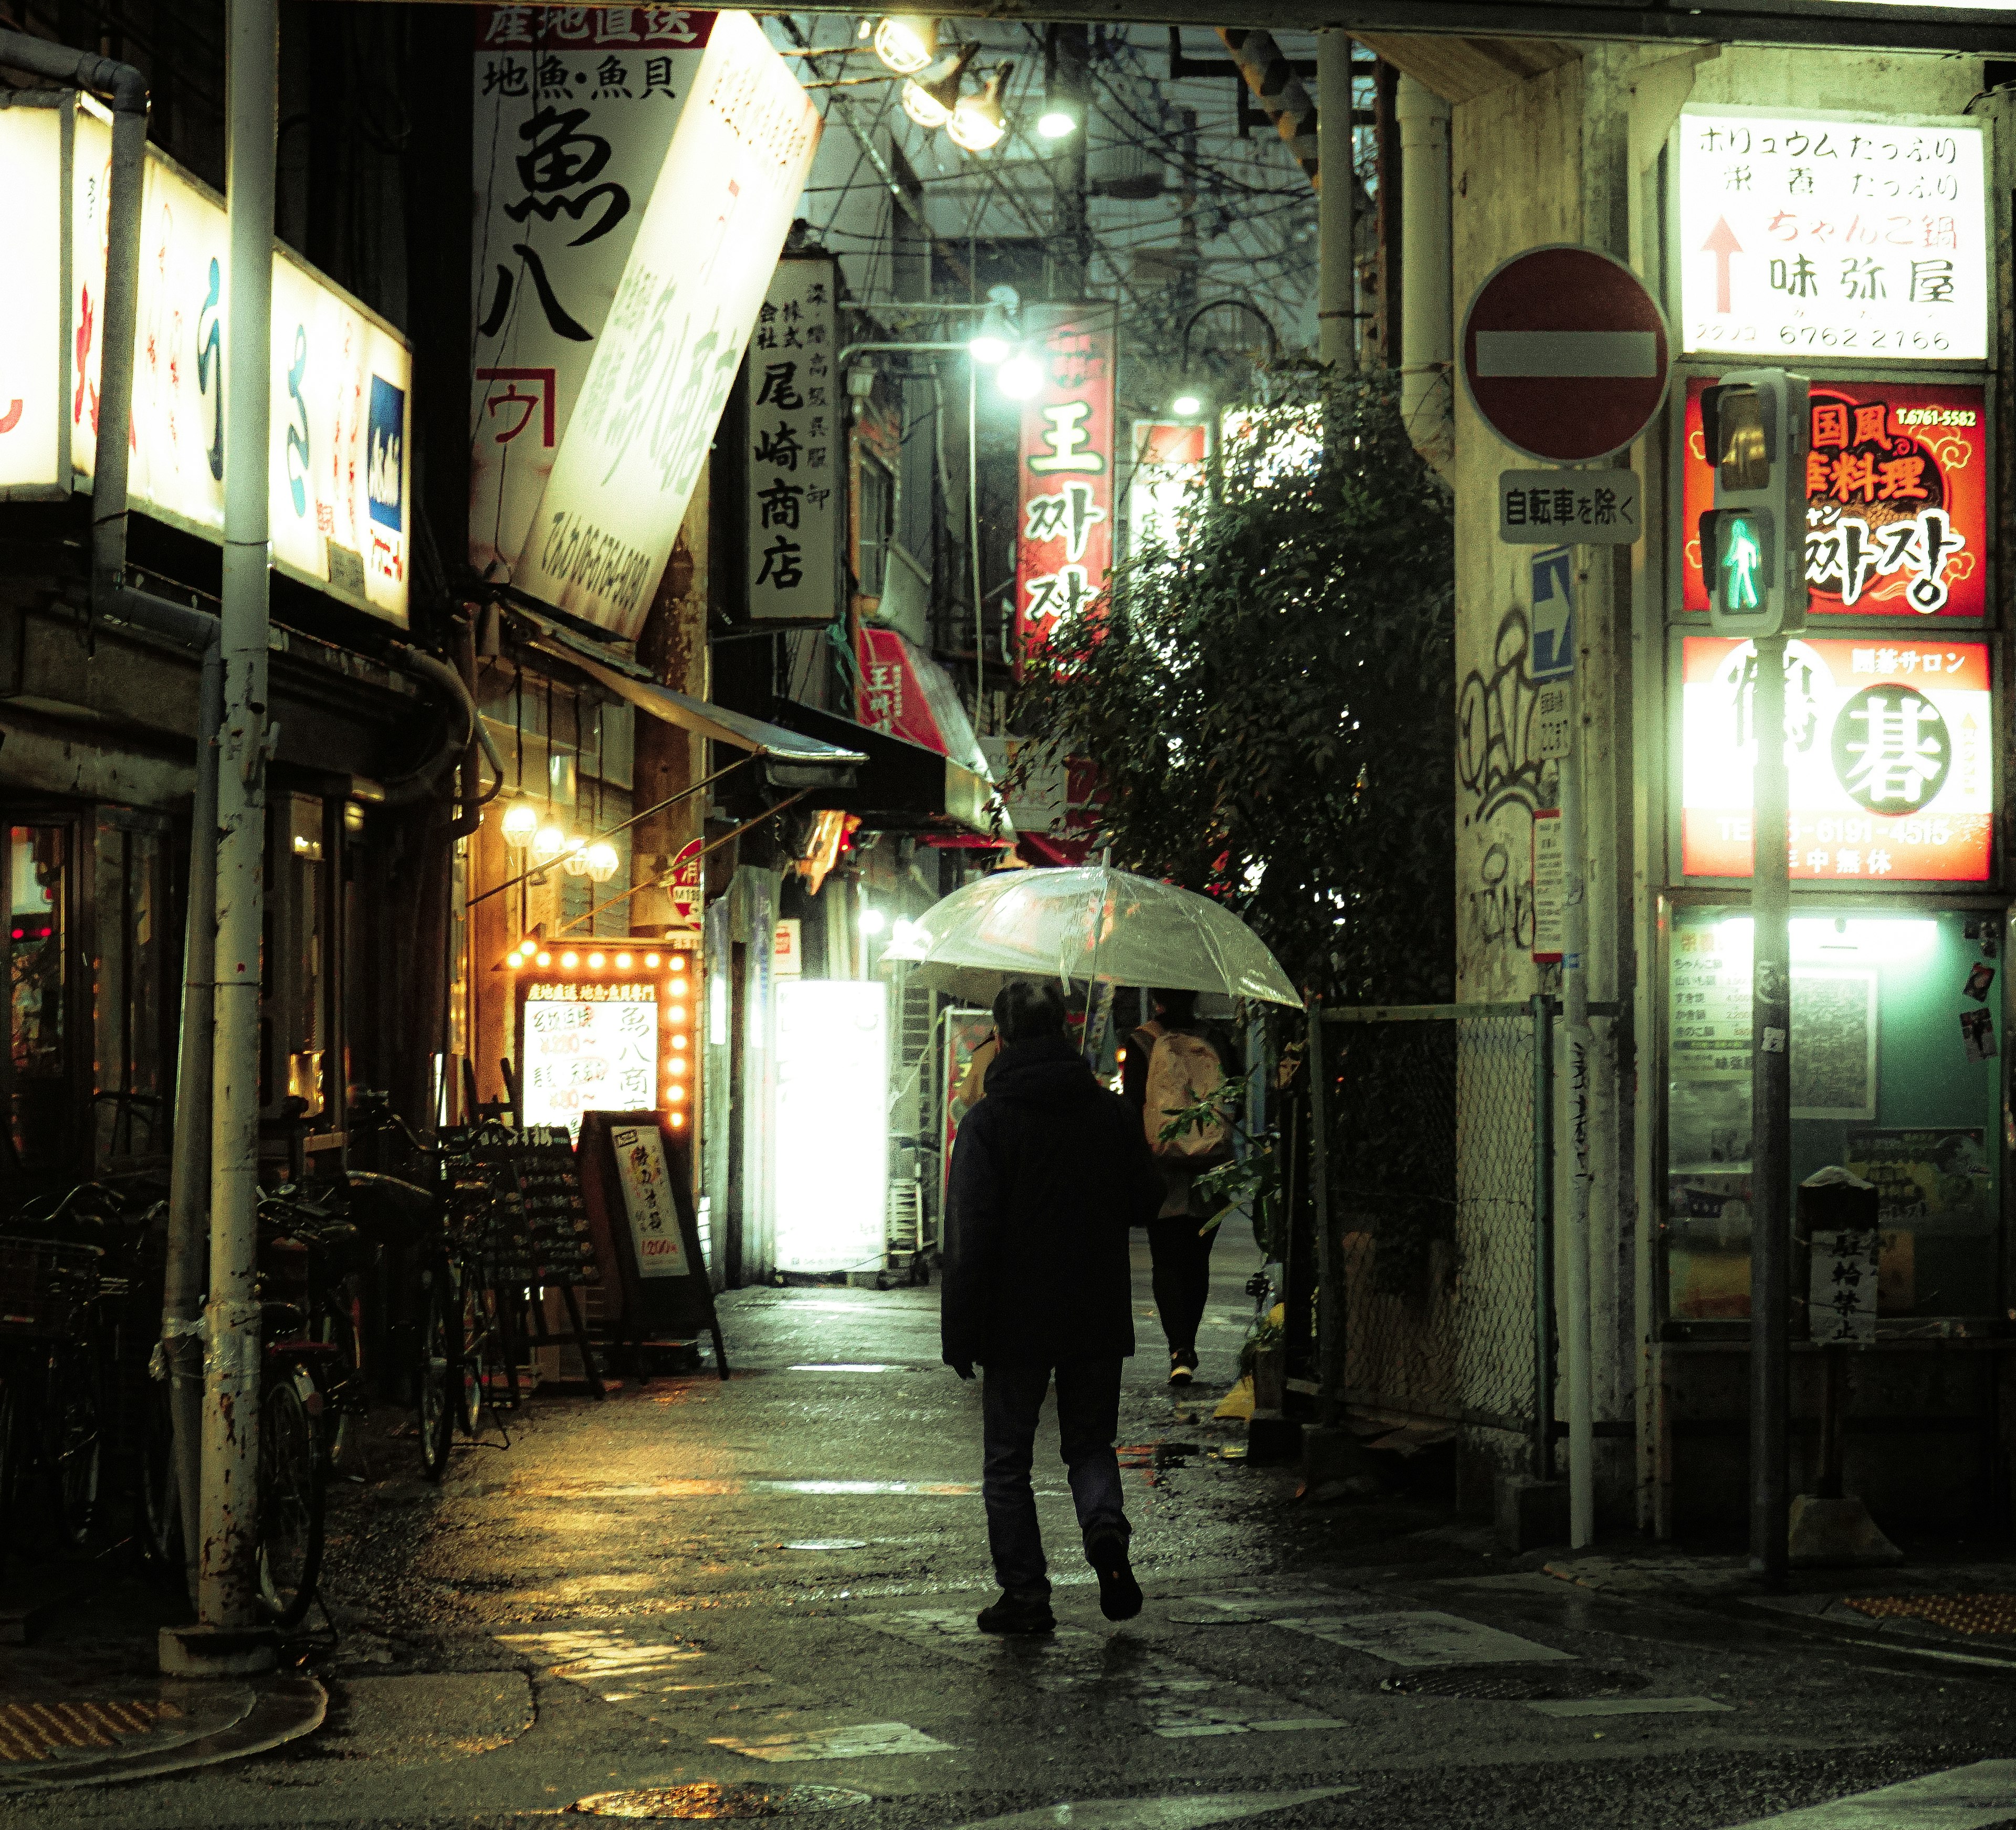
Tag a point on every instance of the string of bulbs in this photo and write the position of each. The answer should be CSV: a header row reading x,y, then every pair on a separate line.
x,y
935,95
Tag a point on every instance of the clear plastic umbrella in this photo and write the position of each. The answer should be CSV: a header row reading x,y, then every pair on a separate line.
x,y
1090,924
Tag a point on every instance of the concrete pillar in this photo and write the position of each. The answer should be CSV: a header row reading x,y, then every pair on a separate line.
x,y
1427,329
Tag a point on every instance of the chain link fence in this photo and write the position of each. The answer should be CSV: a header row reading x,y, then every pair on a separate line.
x,y
1431,1185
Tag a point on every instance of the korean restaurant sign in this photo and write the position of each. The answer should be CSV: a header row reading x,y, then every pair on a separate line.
x,y
342,378
574,107
1847,237
664,363
1065,545
1896,500
794,506
1889,756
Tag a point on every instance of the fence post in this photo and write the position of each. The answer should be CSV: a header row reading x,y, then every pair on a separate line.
x,y
1543,1235
1330,1269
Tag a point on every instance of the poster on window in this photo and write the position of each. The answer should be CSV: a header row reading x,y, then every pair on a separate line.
x,y
1064,546
1888,751
1896,500
574,108
794,506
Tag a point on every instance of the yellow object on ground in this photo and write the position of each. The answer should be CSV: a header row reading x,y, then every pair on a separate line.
x,y
1238,1402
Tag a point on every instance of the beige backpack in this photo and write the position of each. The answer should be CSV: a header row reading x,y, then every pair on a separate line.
x,y
1183,1071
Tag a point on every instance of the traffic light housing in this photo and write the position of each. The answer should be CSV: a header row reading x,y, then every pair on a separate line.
x,y
1753,542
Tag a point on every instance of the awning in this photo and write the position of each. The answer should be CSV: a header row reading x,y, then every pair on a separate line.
x,y
798,760
904,788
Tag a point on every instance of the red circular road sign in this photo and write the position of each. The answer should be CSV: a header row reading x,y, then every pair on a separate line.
x,y
1565,353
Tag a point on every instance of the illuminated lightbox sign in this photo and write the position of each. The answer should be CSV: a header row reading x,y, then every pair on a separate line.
x,y
1896,500
1832,237
1888,755
606,1030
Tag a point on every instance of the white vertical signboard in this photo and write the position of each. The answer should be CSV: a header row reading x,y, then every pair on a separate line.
x,y
794,447
647,1200
574,108
832,1133
31,354
1832,237
664,363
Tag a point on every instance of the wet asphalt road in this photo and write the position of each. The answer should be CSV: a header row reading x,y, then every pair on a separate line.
x,y
773,1581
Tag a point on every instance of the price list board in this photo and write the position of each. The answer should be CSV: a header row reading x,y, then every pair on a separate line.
x,y
486,1212
1711,999
556,1217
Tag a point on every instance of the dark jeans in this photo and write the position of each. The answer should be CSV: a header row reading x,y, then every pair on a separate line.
x,y
1088,1420
1182,1278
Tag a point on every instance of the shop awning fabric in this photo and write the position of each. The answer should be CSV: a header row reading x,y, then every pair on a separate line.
x,y
904,788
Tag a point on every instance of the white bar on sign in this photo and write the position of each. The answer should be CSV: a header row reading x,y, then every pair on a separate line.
x,y
1568,353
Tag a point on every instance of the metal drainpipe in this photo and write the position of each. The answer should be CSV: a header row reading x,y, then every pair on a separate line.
x,y
1427,330
228,1584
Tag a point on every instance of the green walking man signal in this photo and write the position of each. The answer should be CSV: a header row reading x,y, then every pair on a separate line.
x,y
1753,542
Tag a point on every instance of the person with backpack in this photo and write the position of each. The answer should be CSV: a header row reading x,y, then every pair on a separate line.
x,y
1049,1173
1171,1065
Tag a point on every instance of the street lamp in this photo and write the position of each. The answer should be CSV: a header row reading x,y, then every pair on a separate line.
x,y
1022,377
906,44
602,861
998,332
1058,121
1187,404
976,122
930,96
520,821
1189,401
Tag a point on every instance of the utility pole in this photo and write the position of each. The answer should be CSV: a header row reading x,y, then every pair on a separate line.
x,y
1336,285
1189,253
227,1571
1068,51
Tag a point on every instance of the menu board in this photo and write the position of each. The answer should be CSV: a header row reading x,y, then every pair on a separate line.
x,y
588,1046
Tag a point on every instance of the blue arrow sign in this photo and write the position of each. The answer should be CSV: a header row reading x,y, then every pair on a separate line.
x,y
1551,646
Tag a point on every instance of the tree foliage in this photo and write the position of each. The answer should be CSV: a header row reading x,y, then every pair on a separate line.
x,y
1268,701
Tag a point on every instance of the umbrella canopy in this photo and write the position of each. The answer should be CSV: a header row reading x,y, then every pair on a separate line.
x,y
1090,924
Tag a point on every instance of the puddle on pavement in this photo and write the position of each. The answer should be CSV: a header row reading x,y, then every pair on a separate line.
x,y
847,1366
855,1741
828,1544
693,1803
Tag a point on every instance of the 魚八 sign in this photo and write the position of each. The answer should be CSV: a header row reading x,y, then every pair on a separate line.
x,y
1896,500
1543,507
574,108
1846,235
32,358
1063,548
342,383
1550,649
587,1046
669,355
1564,353
1889,758
795,441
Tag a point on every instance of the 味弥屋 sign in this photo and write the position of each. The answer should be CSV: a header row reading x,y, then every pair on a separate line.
x,y
1064,546
1844,236
1889,754
1896,500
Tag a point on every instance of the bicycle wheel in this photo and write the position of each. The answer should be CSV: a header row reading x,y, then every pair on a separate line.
x,y
441,1371
480,1360
73,1452
291,1471
342,1382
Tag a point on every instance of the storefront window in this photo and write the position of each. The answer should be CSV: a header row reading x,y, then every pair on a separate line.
x,y
39,1101
133,1013
1895,1030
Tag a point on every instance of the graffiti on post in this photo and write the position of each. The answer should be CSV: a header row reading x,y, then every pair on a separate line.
x,y
1495,761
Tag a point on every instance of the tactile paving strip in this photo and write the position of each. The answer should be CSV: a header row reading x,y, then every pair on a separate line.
x,y
34,1731
1966,1613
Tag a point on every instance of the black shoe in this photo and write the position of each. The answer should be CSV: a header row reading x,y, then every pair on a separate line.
x,y
1182,1364
1119,1594
1016,1614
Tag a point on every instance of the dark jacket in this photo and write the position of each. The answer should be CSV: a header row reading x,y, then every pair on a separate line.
x,y
1049,1172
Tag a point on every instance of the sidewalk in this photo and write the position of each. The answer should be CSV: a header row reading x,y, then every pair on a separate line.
x,y
1956,1609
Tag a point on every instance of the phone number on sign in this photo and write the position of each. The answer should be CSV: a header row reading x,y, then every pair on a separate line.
x,y
1866,338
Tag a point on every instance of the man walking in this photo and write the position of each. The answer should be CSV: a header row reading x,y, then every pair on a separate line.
x,y
1050,1171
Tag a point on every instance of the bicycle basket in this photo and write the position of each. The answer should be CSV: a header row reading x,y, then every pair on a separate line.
x,y
46,1286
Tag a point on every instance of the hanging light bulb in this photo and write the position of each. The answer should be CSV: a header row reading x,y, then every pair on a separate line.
x,y
1022,377
573,856
930,97
603,861
548,843
976,122
994,341
906,44
521,821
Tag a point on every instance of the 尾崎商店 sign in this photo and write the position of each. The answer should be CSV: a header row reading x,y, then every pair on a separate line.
x,y
1889,753
1831,237
793,504
1065,501
1897,518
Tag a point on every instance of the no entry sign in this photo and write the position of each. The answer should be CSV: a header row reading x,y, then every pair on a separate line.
x,y
1564,353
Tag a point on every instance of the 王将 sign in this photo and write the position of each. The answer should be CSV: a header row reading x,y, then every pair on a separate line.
x,y
574,107
1544,507
1831,236
668,356
1063,545
1889,747
795,443
1896,500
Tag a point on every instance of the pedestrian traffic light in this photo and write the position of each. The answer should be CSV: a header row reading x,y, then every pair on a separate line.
x,y
1753,542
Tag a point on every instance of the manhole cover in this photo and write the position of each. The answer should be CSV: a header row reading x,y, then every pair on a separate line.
x,y
1513,1684
1966,1613
686,1803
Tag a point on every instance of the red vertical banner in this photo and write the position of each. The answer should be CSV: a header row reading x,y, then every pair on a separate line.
x,y
1065,499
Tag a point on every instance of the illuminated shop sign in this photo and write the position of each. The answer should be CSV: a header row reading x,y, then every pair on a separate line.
x,y
1888,751
1832,237
605,1028
1896,500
